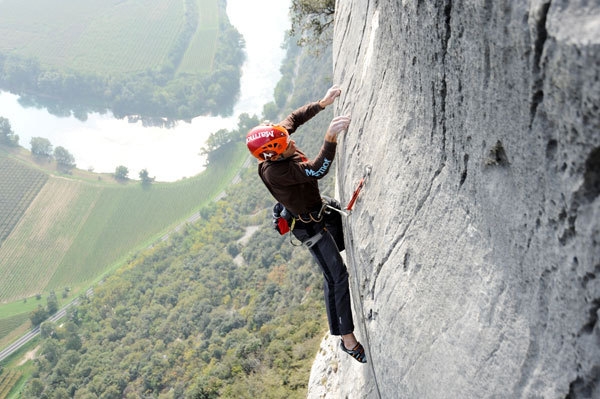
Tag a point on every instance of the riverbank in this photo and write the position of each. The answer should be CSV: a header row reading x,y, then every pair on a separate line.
x,y
103,142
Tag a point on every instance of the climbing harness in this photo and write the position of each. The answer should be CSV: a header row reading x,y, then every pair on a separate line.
x,y
310,217
314,239
284,222
314,216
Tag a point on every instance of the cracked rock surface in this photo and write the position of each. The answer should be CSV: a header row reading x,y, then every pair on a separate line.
x,y
474,248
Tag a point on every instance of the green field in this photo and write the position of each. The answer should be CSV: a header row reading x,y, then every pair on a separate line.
x,y
202,48
11,323
19,187
74,231
106,36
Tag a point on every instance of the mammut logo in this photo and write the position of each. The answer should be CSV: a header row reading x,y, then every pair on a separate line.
x,y
268,133
322,170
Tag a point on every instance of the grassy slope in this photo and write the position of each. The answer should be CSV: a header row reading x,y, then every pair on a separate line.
x,y
203,46
83,229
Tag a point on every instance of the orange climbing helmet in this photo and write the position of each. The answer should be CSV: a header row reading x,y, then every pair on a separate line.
x,y
267,141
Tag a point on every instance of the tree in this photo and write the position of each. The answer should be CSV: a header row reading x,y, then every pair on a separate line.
x,y
271,111
73,341
51,351
64,159
121,173
7,136
312,21
145,176
41,147
38,315
47,329
216,140
245,123
52,303
35,388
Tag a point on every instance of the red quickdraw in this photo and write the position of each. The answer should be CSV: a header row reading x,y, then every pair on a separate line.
x,y
356,192
348,210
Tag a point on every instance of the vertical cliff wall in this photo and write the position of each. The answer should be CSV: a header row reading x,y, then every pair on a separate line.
x,y
474,249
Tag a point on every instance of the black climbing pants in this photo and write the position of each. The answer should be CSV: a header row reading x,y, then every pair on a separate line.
x,y
325,240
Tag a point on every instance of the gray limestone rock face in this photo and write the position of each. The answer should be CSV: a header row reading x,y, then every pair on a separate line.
x,y
474,248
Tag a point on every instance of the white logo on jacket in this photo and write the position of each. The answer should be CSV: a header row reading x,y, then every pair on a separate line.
x,y
322,170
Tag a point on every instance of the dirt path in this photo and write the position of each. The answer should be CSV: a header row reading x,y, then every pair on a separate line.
x,y
29,356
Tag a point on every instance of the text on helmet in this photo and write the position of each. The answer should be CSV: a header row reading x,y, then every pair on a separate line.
x,y
267,133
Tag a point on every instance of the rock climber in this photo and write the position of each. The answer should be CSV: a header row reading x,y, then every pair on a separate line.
x,y
292,179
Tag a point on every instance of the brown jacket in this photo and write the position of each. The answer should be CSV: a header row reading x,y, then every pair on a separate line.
x,y
293,181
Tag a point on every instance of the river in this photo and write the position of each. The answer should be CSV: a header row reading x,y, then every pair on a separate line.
x,y
102,142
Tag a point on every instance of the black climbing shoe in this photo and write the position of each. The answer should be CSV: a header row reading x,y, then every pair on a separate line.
x,y
358,352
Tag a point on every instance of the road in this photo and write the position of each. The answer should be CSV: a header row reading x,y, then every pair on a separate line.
x,y
15,346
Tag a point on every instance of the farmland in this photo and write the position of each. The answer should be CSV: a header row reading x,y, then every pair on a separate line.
x,y
43,236
19,187
74,231
7,380
94,35
173,59
200,53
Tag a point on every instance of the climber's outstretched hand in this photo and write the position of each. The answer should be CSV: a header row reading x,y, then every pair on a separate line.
x,y
333,93
338,125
